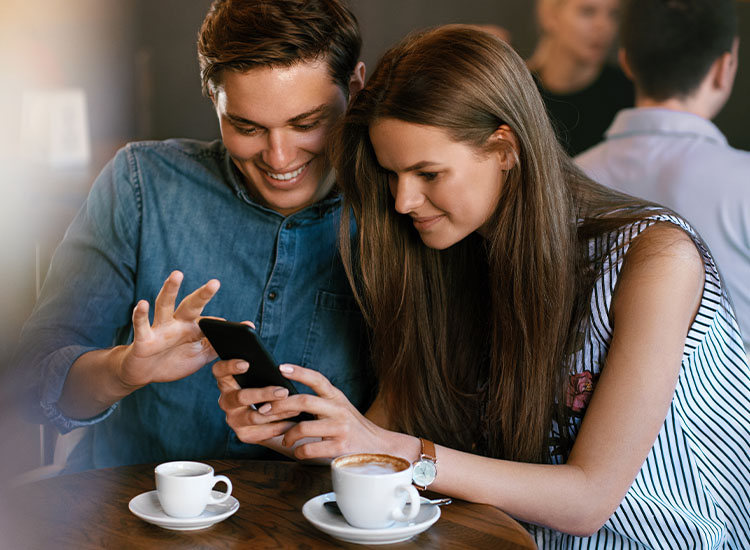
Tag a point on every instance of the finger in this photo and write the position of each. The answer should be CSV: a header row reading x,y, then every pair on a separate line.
x,y
332,436
256,434
192,305
224,371
256,417
249,323
325,448
248,397
164,304
141,325
311,378
295,404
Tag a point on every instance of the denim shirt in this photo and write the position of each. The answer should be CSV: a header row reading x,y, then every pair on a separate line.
x,y
181,204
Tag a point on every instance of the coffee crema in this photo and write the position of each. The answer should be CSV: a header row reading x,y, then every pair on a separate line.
x,y
371,464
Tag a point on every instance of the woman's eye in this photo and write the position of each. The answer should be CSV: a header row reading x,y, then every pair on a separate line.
x,y
428,176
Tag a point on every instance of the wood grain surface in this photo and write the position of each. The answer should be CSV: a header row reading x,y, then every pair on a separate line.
x,y
89,510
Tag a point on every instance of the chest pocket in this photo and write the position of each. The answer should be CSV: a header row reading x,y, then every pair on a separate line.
x,y
337,346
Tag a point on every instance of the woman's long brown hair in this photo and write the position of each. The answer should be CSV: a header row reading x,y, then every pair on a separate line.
x,y
472,343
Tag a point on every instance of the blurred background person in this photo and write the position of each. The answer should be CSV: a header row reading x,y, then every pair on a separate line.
x,y
682,56
501,32
580,88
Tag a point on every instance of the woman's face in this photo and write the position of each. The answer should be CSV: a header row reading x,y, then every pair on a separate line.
x,y
584,29
448,188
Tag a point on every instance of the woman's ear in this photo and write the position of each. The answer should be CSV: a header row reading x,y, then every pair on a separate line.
x,y
505,144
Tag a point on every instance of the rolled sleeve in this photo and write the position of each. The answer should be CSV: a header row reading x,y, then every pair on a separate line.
x,y
56,372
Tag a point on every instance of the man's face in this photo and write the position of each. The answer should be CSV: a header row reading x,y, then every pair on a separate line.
x,y
274,123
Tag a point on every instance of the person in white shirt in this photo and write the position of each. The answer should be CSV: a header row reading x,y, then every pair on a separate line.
x,y
682,57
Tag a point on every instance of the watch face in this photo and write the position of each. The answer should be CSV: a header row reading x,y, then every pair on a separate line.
x,y
424,473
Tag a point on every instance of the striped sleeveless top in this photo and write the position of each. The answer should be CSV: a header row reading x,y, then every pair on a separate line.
x,y
693,491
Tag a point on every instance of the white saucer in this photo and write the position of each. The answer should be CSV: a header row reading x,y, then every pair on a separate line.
x,y
147,507
336,526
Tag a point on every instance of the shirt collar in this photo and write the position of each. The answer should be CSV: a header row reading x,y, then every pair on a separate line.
x,y
656,120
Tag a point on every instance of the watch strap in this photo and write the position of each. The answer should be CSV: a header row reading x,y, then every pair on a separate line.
x,y
428,450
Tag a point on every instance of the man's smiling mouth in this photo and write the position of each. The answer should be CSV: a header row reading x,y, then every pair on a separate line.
x,y
286,175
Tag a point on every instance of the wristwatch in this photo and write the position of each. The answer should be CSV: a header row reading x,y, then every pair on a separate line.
x,y
424,469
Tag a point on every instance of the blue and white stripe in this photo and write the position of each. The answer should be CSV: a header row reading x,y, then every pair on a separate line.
x,y
693,490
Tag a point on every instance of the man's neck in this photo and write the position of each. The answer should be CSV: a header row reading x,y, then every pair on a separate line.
x,y
687,105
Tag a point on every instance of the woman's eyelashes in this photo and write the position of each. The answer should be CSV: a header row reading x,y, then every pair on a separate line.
x,y
428,176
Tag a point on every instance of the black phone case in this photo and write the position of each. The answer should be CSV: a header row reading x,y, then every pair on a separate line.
x,y
239,341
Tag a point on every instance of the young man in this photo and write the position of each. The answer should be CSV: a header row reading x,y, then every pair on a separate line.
x,y
682,56
256,211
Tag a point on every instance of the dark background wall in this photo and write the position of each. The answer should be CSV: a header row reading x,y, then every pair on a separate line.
x,y
173,105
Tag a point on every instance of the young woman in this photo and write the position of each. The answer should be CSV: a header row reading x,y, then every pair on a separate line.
x,y
581,90
570,351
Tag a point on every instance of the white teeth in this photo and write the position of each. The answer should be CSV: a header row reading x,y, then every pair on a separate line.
x,y
288,175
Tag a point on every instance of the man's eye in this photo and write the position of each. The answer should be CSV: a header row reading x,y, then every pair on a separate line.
x,y
307,126
246,131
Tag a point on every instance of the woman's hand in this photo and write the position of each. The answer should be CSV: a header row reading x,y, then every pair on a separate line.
x,y
339,428
250,425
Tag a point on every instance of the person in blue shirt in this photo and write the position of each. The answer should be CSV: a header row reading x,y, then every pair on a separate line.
x,y
250,222
683,58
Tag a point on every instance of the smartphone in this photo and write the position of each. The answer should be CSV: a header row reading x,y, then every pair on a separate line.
x,y
240,341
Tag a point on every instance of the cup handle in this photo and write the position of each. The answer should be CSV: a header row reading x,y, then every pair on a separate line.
x,y
414,500
218,479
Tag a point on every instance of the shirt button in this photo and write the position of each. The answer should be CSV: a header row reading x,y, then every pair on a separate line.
x,y
272,295
291,225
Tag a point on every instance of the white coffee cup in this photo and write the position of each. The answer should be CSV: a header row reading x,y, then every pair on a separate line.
x,y
372,489
185,488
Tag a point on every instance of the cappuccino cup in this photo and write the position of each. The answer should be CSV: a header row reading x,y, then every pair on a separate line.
x,y
185,488
372,490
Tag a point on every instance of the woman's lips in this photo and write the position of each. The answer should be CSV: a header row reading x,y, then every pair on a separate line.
x,y
423,223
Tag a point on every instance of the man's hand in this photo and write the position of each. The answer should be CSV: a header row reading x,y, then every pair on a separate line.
x,y
174,346
170,349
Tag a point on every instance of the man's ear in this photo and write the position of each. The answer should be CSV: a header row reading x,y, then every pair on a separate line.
x,y
622,58
725,68
357,80
506,145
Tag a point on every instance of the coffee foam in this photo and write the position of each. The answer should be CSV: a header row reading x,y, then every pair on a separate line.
x,y
372,463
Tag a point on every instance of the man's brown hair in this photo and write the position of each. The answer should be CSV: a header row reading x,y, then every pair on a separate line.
x,y
239,35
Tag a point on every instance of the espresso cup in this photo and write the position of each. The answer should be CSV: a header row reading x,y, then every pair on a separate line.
x,y
186,488
372,490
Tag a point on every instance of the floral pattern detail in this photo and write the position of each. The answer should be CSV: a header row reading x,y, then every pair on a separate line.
x,y
578,393
579,390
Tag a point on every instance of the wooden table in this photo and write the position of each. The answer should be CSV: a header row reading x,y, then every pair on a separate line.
x,y
89,510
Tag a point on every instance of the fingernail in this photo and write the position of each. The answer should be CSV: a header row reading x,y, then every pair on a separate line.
x,y
265,408
242,366
286,368
281,392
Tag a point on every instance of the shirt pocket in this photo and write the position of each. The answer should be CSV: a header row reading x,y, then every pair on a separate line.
x,y
337,346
